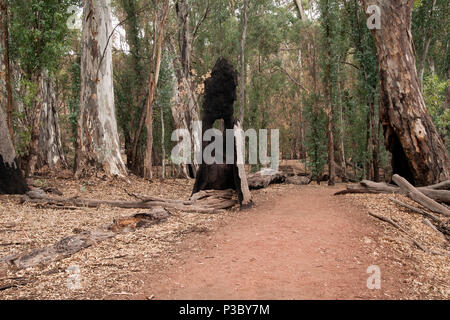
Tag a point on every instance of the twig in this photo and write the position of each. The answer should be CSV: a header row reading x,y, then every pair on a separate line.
x,y
420,246
428,223
416,210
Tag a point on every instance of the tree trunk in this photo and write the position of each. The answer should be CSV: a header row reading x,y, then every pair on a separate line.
x,y
375,166
188,97
5,68
163,147
299,5
11,179
98,142
418,153
329,100
179,118
35,130
50,147
242,75
155,65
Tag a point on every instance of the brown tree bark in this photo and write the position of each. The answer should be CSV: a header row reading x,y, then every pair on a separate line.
x,y
418,153
5,67
35,130
98,144
329,106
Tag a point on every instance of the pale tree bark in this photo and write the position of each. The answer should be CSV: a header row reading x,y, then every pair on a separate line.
x,y
243,67
418,153
299,5
189,106
97,136
50,147
35,130
11,179
179,116
155,66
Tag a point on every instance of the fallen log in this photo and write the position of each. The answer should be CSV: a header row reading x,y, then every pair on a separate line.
x,y
205,206
419,197
75,243
366,186
262,179
444,185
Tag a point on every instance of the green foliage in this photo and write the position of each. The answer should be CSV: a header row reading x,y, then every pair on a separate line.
x,y
39,34
163,101
316,140
434,91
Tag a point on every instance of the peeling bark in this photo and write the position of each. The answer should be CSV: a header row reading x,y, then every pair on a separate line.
x,y
418,153
188,107
97,136
50,146
5,69
11,179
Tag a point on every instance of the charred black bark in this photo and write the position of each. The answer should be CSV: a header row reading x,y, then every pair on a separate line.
x,y
11,179
219,98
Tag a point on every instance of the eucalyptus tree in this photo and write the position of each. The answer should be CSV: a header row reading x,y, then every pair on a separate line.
x,y
418,152
98,145
39,37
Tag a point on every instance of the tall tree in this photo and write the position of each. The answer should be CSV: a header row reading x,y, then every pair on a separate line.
x,y
50,149
5,65
39,37
11,179
98,140
329,78
155,65
418,152
243,66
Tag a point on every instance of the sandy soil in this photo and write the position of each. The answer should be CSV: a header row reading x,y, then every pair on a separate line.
x,y
305,244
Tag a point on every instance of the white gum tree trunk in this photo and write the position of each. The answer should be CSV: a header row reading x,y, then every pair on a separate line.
x,y
97,136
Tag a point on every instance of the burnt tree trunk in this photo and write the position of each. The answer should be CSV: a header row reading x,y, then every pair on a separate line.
x,y
98,142
219,98
418,153
50,147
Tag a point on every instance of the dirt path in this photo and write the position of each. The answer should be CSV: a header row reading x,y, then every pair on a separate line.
x,y
306,244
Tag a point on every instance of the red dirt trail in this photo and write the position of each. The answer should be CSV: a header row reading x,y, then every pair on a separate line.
x,y
305,244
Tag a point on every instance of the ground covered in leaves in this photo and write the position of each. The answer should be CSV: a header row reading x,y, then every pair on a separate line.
x,y
108,269
427,275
